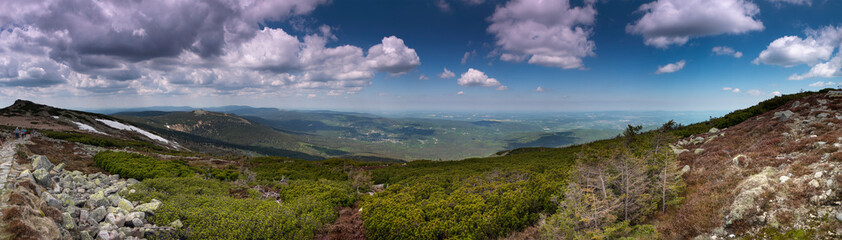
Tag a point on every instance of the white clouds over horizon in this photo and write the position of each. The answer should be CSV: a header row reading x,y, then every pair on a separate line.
x,y
476,78
674,22
549,33
671,68
815,50
752,92
824,84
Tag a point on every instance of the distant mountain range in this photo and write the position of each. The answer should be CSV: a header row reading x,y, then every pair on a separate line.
x,y
318,134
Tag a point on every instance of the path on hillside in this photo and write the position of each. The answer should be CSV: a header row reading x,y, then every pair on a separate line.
x,y
7,157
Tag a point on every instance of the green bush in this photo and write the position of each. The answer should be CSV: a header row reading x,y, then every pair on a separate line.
x,y
335,192
277,168
486,206
138,166
208,212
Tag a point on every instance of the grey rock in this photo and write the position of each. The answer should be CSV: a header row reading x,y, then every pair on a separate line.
x,y
41,162
814,183
43,178
115,219
124,204
105,235
98,199
84,235
698,140
713,130
98,214
51,201
132,181
685,169
783,115
148,207
93,223
176,224
839,216
66,200
699,150
25,173
135,223
137,215
822,115
68,222
59,167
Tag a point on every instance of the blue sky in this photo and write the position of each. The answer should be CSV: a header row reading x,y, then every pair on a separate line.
x,y
371,55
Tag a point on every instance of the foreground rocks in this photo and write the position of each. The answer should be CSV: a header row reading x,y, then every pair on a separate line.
x,y
87,206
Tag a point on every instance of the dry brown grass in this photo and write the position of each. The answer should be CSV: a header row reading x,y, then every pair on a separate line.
x,y
63,152
19,230
11,213
349,225
710,186
51,213
530,233
836,157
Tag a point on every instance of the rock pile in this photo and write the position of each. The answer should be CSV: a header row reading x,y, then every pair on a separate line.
x,y
91,204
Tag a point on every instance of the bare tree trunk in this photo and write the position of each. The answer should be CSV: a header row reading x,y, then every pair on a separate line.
x,y
664,190
602,182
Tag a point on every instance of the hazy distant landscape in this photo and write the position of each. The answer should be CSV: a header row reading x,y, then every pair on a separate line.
x,y
402,136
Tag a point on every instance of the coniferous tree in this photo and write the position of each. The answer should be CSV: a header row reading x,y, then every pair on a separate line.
x,y
633,185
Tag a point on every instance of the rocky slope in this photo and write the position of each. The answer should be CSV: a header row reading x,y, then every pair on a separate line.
x,y
28,115
48,202
776,174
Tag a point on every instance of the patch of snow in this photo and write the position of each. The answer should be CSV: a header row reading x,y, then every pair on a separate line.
x,y
120,126
56,117
86,127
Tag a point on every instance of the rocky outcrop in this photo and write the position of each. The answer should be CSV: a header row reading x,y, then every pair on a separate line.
x,y
775,172
91,205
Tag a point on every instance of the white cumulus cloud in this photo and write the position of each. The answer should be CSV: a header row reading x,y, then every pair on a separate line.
x,y
446,74
198,47
814,50
392,56
476,78
670,68
548,32
723,50
674,22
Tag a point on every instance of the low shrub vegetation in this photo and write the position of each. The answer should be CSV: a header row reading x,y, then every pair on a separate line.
x,y
138,166
208,212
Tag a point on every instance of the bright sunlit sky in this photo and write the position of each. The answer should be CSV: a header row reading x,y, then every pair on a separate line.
x,y
463,55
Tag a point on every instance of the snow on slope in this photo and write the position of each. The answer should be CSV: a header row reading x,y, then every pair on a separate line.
x,y
86,127
120,126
